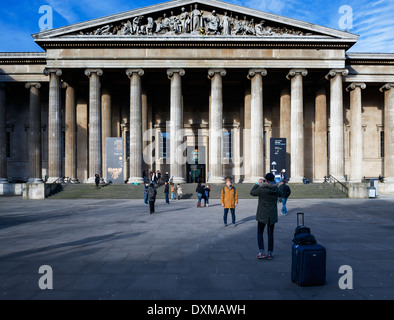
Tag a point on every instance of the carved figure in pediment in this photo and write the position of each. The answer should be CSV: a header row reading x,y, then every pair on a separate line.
x,y
185,21
150,27
126,28
212,23
238,26
248,27
137,23
225,24
262,30
175,23
163,25
105,30
196,18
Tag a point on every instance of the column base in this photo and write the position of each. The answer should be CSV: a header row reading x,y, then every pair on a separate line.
x,y
253,179
178,180
135,180
35,180
216,180
55,180
295,180
354,180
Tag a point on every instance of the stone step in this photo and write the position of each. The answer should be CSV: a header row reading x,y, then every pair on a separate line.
x,y
124,191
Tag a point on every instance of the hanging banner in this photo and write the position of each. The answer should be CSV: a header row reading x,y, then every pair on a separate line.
x,y
114,163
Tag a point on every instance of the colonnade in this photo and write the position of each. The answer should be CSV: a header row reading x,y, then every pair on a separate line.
x,y
98,129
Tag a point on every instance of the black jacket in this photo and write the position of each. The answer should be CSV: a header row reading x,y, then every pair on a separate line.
x,y
166,188
284,191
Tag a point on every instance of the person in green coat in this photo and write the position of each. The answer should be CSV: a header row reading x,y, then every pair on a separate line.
x,y
267,212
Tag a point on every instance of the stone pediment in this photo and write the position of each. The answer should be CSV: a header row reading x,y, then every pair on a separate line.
x,y
193,20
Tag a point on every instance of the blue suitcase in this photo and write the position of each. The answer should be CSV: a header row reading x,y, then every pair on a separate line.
x,y
308,267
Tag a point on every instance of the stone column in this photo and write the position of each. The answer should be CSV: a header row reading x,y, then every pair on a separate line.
x,y
135,125
320,152
3,134
337,159
256,124
54,127
95,156
70,169
34,139
388,90
356,138
285,123
297,124
106,110
177,169
216,126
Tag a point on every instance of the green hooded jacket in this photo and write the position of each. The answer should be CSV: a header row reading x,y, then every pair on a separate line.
x,y
267,209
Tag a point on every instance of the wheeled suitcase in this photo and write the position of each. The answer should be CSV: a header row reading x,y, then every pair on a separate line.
x,y
308,267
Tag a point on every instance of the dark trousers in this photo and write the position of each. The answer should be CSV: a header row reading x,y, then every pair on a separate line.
x,y
152,206
166,196
270,232
232,215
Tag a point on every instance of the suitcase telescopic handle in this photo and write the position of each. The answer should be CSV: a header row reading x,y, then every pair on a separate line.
x,y
298,219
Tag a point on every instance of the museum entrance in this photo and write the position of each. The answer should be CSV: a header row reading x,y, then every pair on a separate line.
x,y
195,173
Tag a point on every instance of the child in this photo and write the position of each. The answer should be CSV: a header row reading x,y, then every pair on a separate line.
x,y
179,191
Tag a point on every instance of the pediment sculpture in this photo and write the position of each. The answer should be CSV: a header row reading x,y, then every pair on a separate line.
x,y
194,22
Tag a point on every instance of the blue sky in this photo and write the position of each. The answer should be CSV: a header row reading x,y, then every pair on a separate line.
x,y
372,19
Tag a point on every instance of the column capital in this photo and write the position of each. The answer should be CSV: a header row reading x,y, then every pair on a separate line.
x,y
253,72
293,72
386,86
48,71
355,85
88,72
212,72
66,85
28,85
334,72
130,72
170,72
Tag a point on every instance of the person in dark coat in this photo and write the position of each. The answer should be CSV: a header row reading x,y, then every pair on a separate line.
x,y
152,197
166,191
97,180
285,192
267,212
200,191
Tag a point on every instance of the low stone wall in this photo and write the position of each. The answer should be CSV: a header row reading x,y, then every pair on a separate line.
x,y
11,189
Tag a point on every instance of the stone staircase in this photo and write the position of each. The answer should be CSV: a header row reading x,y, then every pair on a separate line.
x,y
124,191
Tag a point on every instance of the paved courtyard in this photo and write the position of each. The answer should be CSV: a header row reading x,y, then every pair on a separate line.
x,y
114,249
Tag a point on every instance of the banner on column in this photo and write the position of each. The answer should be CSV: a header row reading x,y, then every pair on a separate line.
x,y
115,158
278,157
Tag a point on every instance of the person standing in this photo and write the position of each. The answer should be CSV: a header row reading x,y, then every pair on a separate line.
x,y
152,197
207,189
229,200
267,212
173,191
199,191
97,180
179,191
146,188
166,191
284,191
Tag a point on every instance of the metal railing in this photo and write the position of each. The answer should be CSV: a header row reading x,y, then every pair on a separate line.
x,y
338,184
